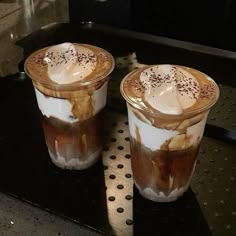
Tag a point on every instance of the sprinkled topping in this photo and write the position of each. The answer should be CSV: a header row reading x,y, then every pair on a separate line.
x,y
186,85
55,58
207,91
39,59
170,89
137,86
67,63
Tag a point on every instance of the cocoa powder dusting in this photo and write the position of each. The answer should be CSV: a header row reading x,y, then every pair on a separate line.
x,y
207,91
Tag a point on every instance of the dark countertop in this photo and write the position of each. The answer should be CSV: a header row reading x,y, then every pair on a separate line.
x,y
20,218
208,208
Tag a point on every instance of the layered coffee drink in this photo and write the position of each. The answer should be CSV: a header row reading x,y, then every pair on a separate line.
x,y
168,107
70,82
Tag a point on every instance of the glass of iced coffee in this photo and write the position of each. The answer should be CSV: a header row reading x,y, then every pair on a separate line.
x,y
70,82
168,107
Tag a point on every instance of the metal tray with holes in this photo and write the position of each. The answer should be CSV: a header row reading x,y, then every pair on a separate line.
x,y
103,197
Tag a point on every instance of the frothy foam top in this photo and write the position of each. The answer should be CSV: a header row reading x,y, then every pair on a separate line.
x,y
68,64
169,89
61,69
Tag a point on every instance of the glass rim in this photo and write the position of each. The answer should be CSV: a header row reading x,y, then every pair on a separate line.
x,y
163,115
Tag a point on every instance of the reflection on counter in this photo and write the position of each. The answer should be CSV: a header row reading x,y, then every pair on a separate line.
x,y
20,18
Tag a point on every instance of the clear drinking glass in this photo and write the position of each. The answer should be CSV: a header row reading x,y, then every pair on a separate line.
x,y
164,147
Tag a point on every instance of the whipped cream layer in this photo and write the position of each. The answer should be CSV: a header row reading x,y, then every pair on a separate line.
x,y
169,89
62,108
69,63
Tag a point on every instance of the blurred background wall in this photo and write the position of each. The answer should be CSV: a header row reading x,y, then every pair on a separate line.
x,y
207,22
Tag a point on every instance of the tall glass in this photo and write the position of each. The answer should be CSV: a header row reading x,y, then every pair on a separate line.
x,y
72,113
164,143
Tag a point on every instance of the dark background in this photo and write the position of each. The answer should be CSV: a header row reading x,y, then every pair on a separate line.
x,y
207,22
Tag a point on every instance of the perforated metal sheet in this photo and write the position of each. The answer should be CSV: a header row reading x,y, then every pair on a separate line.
x,y
118,176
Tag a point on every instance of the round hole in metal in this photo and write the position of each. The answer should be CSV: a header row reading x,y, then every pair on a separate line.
x,y
120,186
113,140
120,209
128,197
111,198
128,175
113,157
120,166
112,176
120,147
127,156
129,222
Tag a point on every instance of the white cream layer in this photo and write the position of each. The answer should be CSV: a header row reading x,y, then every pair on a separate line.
x,y
74,163
153,137
68,63
159,196
169,89
61,108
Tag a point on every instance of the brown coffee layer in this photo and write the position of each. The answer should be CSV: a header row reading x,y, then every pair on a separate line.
x,y
74,141
162,170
